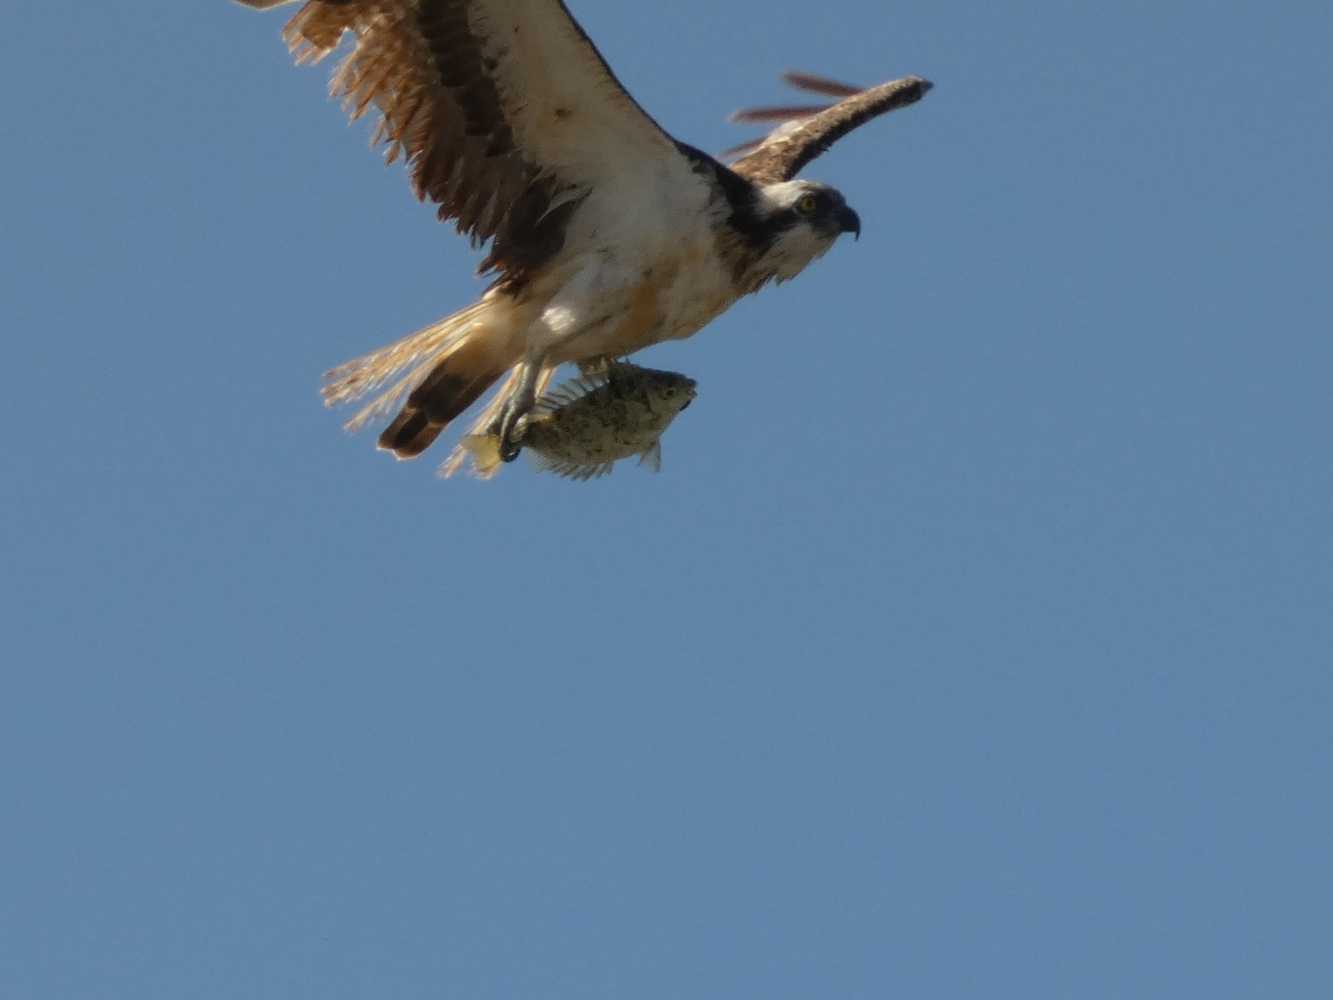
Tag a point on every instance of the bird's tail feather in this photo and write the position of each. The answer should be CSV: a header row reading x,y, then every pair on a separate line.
x,y
449,365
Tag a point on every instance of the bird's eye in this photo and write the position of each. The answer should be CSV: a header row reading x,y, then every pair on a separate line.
x,y
807,204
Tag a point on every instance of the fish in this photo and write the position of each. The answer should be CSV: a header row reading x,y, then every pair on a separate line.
x,y
583,427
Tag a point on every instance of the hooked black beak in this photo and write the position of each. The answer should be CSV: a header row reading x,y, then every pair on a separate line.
x,y
849,222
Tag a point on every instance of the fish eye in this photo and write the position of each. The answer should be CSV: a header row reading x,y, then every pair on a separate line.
x,y
806,204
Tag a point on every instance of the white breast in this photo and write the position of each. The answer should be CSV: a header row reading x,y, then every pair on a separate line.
x,y
641,266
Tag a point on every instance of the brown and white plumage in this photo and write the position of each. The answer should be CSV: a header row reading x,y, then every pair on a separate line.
x,y
503,109
809,130
605,233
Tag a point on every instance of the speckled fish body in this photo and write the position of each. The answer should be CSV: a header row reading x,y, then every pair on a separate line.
x,y
584,426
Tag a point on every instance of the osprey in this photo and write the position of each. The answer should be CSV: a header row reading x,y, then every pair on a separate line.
x,y
605,233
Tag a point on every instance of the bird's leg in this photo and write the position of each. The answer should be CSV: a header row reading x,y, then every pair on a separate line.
x,y
520,401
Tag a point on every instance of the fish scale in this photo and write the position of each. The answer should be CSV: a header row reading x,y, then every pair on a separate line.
x,y
584,426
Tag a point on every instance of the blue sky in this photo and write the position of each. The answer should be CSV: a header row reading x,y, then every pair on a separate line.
x,y
974,641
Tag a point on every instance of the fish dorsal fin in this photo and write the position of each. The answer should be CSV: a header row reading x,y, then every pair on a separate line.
x,y
652,456
569,392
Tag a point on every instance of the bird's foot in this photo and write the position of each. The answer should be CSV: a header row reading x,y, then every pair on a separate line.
x,y
511,424
509,430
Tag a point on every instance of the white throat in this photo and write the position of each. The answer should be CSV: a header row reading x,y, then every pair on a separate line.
x,y
796,247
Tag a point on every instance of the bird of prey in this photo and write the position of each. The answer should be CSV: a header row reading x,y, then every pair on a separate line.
x,y
605,233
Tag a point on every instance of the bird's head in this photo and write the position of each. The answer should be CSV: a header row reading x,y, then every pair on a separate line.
x,y
805,218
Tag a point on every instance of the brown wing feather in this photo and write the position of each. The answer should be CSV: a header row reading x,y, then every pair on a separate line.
x,y
776,113
786,151
453,86
820,84
440,112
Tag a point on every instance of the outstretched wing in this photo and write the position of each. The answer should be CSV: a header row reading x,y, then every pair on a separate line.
x,y
807,131
504,110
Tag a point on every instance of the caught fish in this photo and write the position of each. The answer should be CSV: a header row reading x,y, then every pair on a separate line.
x,y
587,424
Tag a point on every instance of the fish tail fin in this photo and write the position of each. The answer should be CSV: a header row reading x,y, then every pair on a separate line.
x,y
484,450
473,446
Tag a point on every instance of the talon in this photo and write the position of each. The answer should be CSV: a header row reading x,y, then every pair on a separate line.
x,y
511,424
509,432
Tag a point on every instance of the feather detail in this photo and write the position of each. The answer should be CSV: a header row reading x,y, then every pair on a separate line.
x,y
806,132
779,113
819,84
505,113
354,379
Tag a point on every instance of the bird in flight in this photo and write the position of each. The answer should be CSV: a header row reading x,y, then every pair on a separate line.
x,y
605,233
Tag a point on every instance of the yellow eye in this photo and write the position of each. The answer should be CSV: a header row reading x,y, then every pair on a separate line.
x,y
807,204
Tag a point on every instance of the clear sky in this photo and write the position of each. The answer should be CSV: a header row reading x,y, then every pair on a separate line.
x,y
974,641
